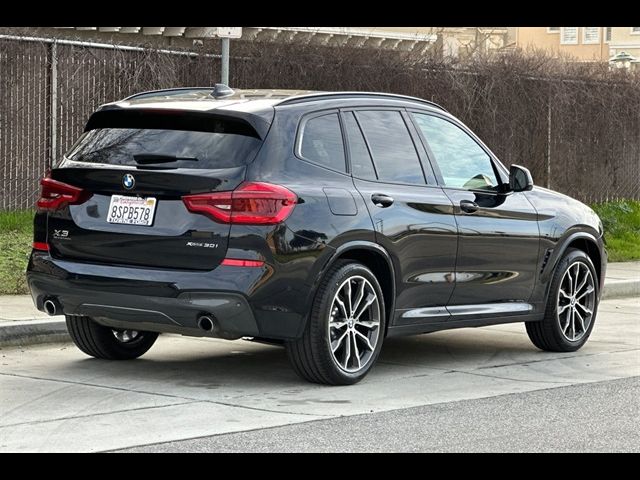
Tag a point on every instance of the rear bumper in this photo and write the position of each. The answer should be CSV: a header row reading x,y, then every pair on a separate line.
x,y
155,300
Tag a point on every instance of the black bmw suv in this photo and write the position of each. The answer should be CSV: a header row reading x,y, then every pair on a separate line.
x,y
325,222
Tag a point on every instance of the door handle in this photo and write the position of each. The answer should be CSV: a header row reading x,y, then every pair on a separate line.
x,y
381,200
468,206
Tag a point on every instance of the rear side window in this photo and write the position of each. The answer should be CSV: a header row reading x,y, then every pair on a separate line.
x,y
322,142
394,155
361,164
177,148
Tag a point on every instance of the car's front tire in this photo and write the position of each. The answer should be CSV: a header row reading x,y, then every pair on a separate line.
x,y
345,328
107,343
571,306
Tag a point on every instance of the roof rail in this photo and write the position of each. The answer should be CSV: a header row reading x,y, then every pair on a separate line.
x,y
164,91
319,96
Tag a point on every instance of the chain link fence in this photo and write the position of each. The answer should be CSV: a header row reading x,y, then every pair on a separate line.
x,y
576,127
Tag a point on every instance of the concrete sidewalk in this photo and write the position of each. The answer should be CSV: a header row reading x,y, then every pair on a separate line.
x,y
21,323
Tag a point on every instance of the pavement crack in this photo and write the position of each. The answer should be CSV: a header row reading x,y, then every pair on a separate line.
x,y
166,395
89,415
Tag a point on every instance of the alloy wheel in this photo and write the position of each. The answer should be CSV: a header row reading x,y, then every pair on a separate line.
x,y
125,336
354,324
576,301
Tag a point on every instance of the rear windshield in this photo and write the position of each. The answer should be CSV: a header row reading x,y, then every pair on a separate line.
x,y
164,148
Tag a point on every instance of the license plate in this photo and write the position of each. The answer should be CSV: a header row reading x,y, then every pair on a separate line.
x,y
131,210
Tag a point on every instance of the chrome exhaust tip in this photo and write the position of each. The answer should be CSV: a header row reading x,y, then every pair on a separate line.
x,y
205,322
51,307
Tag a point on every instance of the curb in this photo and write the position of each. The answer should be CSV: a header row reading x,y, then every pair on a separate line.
x,y
30,332
620,289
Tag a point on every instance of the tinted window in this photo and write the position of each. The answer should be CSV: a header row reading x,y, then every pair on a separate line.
x,y
463,163
361,165
394,154
189,149
322,142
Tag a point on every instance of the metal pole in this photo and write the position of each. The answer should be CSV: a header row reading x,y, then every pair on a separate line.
x,y
225,61
54,104
548,182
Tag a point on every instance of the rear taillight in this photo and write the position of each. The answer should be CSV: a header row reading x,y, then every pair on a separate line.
x,y
55,195
42,246
252,203
237,262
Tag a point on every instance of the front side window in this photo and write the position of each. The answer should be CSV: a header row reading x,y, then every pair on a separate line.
x,y
394,155
462,162
322,142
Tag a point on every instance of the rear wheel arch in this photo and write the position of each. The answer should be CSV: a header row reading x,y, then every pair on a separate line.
x,y
376,259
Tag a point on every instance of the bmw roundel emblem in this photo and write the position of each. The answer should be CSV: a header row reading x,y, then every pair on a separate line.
x,y
128,181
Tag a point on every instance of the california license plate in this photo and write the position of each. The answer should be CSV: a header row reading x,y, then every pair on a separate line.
x,y
131,210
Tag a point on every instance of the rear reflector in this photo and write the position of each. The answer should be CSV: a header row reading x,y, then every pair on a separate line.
x,y
235,262
41,246
56,195
252,203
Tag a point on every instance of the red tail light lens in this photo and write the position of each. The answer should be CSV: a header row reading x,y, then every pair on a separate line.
x,y
43,246
56,195
252,203
235,262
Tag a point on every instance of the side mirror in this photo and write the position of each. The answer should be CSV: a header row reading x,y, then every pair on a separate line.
x,y
520,179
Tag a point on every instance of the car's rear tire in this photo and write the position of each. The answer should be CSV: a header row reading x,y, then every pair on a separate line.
x,y
571,306
345,328
103,342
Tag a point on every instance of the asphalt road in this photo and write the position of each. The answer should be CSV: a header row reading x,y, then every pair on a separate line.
x,y
596,417
483,389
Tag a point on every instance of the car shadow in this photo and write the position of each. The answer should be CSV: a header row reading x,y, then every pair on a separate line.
x,y
203,364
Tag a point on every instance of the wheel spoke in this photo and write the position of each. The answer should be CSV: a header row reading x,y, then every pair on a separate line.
x,y
347,289
581,321
567,323
359,297
370,299
584,309
335,345
570,278
365,339
339,324
565,294
583,282
573,323
347,350
355,348
575,280
342,307
586,292
563,308
368,324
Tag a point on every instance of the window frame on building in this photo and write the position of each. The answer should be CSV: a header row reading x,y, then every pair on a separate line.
x,y
553,29
586,41
562,37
